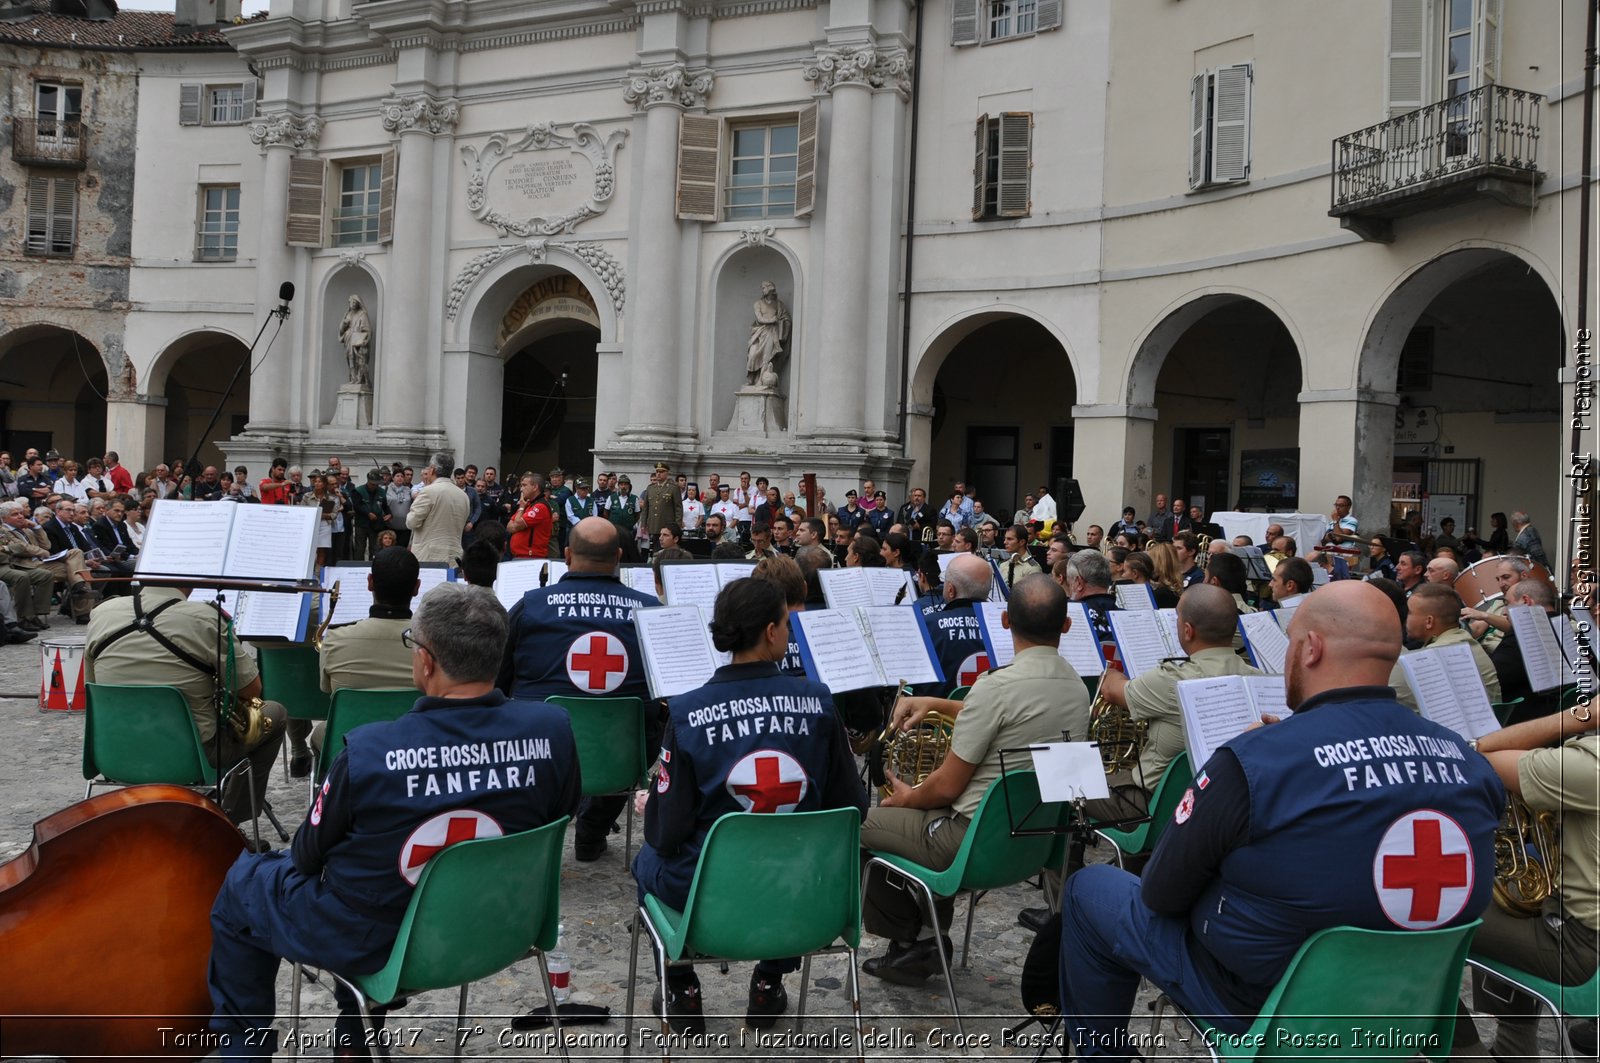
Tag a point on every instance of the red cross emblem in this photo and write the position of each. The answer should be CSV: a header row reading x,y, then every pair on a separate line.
x,y
597,662
1423,870
438,834
768,780
971,669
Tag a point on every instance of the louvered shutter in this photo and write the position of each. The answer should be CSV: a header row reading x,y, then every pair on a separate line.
x,y
1016,164
38,215
1047,15
805,175
699,152
189,98
64,215
249,98
307,185
1197,131
1230,124
386,197
980,168
1406,36
964,22
1486,37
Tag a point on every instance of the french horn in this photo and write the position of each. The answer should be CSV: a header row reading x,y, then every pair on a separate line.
x,y
912,754
1119,735
1527,858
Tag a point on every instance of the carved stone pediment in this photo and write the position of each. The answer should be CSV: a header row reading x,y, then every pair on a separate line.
x,y
542,181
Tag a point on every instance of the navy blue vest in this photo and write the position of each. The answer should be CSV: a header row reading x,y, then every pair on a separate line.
x,y
1362,813
512,763
577,639
958,644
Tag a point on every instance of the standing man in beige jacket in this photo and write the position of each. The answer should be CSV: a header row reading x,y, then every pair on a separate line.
x,y
438,514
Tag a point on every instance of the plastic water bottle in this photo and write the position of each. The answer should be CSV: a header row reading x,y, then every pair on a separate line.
x,y
560,966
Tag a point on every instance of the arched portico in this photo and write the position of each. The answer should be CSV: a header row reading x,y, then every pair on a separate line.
x,y
55,385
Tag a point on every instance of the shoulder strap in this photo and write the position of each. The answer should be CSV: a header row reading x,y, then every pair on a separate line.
x,y
146,623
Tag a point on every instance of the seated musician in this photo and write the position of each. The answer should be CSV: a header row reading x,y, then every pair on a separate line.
x,y
1433,618
157,637
1507,653
1274,842
1291,582
1489,623
1553,763
336,900
1033,699
953,626
704,772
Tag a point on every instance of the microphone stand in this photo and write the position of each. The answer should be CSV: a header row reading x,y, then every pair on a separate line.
x,y
281,312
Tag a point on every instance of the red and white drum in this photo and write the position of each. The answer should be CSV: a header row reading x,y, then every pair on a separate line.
x,y
61,674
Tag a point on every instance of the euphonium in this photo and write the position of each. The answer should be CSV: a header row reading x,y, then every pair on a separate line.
x,y
912,754
322,628
1527,858
1120,736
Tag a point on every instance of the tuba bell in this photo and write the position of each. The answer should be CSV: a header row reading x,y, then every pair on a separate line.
x,y
1527,858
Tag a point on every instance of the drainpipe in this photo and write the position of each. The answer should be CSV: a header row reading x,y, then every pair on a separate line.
x,y
911,216
1580,483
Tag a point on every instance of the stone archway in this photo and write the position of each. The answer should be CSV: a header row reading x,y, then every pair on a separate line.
x,y
55,384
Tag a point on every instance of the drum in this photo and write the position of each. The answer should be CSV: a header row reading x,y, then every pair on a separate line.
x,y
1477,585
61,674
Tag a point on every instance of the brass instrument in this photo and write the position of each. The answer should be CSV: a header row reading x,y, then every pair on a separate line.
x,y
1119,735
1523,880
322,628
247,721
911,755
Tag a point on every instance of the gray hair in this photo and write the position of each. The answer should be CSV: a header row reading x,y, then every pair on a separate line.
x,y
444,464
969,581
465,628
291,470
1519,516
8,508
1091,567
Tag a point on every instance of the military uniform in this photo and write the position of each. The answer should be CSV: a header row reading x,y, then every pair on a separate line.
x,y
624,513
366,655
661,506
1486,672
337,898
138,659
957,645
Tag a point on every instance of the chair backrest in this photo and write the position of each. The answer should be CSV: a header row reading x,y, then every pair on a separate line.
x,y
477,909
1169,791
611,742
351,709
959,693
989,856
804,866
139,734
292,676
1403,983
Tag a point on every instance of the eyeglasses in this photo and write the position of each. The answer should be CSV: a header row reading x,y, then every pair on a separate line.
x,y
411,643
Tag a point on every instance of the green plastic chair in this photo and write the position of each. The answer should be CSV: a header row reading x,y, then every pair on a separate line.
x,y
351,709
1503,709
990,856
612,753
1163,803
959,693
805,867
1577,1001
1399,983
146,734
292,676
479,907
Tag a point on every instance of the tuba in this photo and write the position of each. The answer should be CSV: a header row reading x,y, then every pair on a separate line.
x,y
911,755
1527,858
1119,735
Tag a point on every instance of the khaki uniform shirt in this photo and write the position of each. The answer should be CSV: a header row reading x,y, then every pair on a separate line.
x,y
1031,700
1014,568
1491,638
1566,779
1153,697
661,506
366,655
1486,672
137,659
437,519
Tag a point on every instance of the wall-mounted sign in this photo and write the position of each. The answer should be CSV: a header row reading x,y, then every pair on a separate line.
x,y
542,181
562,296
1416,424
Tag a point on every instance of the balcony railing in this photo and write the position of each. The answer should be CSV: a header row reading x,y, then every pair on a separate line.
x,y
49,142
1483,142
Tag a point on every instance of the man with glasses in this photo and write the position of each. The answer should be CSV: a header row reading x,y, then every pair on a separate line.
x,y
391,800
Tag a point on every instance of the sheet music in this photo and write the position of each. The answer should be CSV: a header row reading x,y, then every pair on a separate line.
x,y
230,598
728,571
186,538
1139,638
1461,669
1269,695
1439,699
513,579
887,583
355,600
1214,711
944,562
1070,770
1536,641
996,636
834,650
690,584
272,542
265,615
1561,625
641,578
1284,616
1134,596
1169,632
677,649
845,588
901,644
1269,646
1079,646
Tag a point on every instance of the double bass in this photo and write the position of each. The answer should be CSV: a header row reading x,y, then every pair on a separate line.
x,y
105,926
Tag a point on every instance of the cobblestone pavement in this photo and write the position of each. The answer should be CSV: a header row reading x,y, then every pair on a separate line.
x,y
42,775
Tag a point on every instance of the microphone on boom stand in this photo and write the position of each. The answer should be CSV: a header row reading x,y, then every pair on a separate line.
x,y
281,313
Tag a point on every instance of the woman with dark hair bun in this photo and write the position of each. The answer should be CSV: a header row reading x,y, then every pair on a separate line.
x,y
900,552
750,740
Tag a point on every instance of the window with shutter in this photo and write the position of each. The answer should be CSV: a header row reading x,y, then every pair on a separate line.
x,y
1489,15
1198,144
189,97
805,177
964,22
1015,166
217,235
980,169
1406,19
1230,127
357,218
1049,15
699,164
386,165
763,170
307,187
52,215
250,91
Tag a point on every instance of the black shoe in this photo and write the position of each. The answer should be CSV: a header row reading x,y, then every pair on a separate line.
x,y
15,635
1034,919
1581,1033
300,765
911,965
685,1013
34,623
768,1000
587,850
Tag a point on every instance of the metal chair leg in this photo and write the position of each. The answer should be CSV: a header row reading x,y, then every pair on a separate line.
x,y
461,1012
627,838
973,898
855,1005
294,1011
1155,1024
805,984
633,980
550,1005
944,961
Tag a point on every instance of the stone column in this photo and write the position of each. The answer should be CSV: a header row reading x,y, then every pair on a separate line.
x,y
1347,448
1122,440
279,136
400,357
662,93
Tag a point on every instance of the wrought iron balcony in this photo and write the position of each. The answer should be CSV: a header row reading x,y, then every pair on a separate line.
x,y
1482,143
49,142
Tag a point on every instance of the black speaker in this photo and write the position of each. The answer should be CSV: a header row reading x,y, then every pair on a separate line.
x,y
1069,500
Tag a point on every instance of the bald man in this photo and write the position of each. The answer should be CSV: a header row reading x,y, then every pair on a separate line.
x,y
1322,820
953,626
1442,570
1433,619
